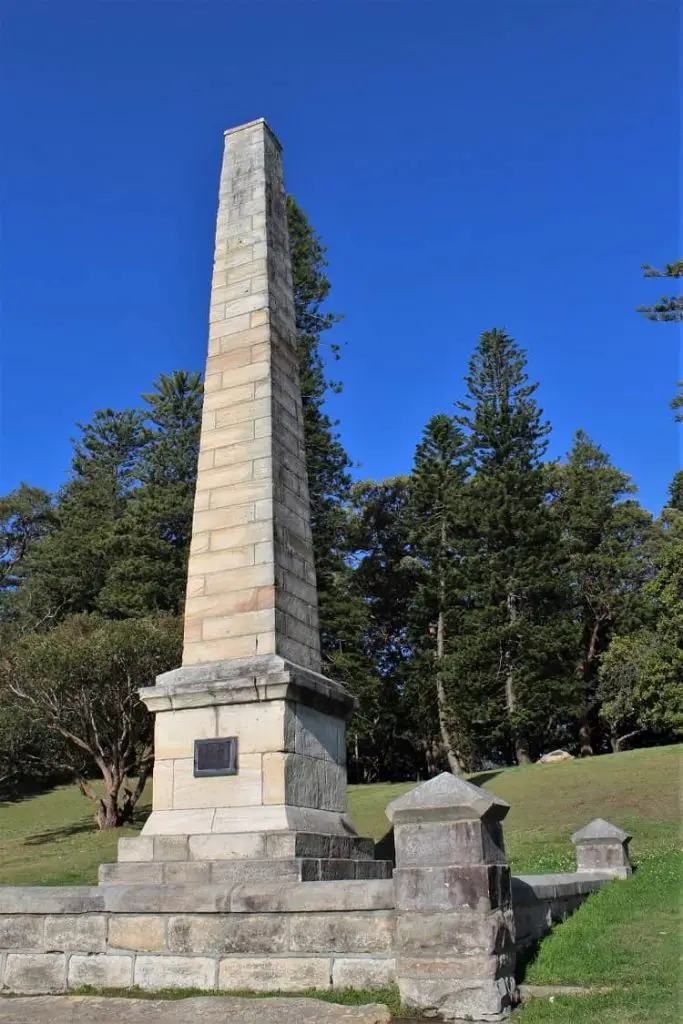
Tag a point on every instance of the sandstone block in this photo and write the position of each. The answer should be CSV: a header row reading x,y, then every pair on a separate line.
x,y
488,1001
170,847
241,790
351,896
232,933
363,972
449,843
86,933
141,933
176,731
131,872
272,974
101,971
162,787
157,972
35,973
362,932
19,931
185,872
226,846
481,887
136,848
463,932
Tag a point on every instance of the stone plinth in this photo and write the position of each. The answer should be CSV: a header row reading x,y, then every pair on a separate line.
x,y
603,847
455,952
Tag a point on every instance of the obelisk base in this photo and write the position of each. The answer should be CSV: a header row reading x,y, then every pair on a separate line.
x,y
280,810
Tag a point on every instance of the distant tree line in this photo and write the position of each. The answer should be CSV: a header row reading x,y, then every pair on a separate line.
x,y
486,607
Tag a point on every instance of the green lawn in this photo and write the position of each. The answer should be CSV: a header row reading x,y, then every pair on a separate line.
x,y
626,936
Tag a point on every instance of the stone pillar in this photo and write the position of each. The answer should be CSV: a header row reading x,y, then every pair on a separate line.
x,y
455,944
250,679
602,847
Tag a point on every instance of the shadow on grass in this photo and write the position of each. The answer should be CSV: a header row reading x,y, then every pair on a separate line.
x,y
81,827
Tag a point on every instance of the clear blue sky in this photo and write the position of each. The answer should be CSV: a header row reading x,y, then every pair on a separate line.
x,y
469,164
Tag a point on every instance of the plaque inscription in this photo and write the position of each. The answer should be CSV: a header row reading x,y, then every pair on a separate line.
x,y
215,757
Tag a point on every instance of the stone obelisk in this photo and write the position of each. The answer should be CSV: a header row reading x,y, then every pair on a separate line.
x,y
249,736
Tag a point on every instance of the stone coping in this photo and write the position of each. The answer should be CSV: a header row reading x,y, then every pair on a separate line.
x,y
264,898
246,681
576,883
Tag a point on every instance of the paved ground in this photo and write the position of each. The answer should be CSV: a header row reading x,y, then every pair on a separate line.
x,y
213,1010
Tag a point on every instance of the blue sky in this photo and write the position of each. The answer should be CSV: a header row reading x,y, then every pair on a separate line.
x,y
469,165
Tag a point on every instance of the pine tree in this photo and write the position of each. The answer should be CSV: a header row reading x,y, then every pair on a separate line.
x,y
606,536
438,536
518,635
26,516
327,463
676,491
670,307
153,536
67,570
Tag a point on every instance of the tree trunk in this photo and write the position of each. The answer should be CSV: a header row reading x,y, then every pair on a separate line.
x,y
453,760
587,725
522,754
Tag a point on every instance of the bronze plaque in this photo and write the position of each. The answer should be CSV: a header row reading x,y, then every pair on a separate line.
x,y
215,757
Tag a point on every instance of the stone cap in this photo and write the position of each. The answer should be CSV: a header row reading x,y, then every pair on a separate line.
x,y
252,124
446,798
246,681
601,831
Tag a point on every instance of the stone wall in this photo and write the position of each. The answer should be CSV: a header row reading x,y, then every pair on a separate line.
x,y
261,937
257,937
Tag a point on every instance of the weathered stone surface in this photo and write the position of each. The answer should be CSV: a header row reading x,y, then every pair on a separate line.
x,y
445,798
101,971
464,932
362,932
35,973
136,848
171,848
601,831
211,1010
227,847
19,931
483,887
131,872
480,1001
274,974
86,933
141,933
43,900
276,897
158,972
165,899
235,872
366,972
453,842
233,933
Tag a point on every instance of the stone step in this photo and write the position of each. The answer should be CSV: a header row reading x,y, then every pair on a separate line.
x,y
248,845
229,872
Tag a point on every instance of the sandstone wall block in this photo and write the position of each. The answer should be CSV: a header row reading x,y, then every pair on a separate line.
x,y
85,933
101,971
21,931
35,973
157,972
141,933
272,974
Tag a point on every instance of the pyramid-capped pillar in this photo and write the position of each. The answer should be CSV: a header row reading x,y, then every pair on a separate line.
x,y
455,926
603,847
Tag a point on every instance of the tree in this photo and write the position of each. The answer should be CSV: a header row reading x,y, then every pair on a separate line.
x,y
438,528
327,462
641,678
606,537
26,516
152,539
517,636
382,732
67,570
81,680
676,491
670,307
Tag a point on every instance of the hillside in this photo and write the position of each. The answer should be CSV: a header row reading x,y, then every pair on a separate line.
x,y
51,840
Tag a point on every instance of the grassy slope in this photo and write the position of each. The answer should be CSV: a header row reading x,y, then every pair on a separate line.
x,y
626,936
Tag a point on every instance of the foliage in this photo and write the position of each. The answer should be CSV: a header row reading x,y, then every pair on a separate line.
x,y
670,307
81,680
641,681
606,538
514,650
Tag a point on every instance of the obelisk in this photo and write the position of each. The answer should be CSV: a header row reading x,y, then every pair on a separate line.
x,y
249,736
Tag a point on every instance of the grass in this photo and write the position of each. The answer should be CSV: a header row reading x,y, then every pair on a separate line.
x,y
626,936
